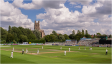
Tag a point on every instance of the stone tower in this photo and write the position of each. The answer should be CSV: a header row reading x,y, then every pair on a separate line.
x,y
37,27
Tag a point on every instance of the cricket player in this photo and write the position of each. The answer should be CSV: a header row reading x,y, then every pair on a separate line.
x,y
26,50
90,48
13,48
106,52
69,49
11,54
42,47
38,51
79,48
61,48
84,48
22,51
65,52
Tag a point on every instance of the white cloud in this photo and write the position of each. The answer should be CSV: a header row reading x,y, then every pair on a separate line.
x,y
37,4
77,7
58,17
62,19
13,16
83,2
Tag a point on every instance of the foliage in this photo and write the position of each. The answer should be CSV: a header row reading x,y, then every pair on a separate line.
x,y
73,32
66,36
10,29
37,34
37,41
3,33
10,37
23,38
61,37
4,41
14,41
54,32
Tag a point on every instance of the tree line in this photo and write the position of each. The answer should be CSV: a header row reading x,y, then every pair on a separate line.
x,y
20,34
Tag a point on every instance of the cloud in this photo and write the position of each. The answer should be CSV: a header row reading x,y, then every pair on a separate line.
x,y
58,17
75,20
83,2
13,16
37,4
77,7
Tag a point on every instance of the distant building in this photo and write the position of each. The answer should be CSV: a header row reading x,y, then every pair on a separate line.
x,y
37,27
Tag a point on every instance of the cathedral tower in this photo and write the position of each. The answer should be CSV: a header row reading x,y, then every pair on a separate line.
x,y
37,25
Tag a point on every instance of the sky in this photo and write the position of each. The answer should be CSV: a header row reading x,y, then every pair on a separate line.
x,y
63,16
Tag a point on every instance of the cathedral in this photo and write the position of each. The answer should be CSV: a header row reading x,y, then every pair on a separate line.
x,y
37,27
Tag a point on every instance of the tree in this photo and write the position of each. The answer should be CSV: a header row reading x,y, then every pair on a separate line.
x,y
73,32
52,38
71,36
31,37
37,34
3,34
61,37
87,35
54,32
98,34
78,35
23,38
10,37
10,29
66,36
47,38
14,41
82,33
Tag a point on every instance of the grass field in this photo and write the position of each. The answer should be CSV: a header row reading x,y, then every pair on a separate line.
x,y
53,54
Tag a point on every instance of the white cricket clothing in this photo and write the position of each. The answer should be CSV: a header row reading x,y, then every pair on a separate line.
x,y
12,54
37,51
61,48
42,47
79,48
26,50
13,48
64,52
106,50
69,49
90,48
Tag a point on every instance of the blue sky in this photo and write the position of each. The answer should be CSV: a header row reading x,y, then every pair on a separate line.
x,y
62,16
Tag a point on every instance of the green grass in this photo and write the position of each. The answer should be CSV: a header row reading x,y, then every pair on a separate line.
x,y
97,55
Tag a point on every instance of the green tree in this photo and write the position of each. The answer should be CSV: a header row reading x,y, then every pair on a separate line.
x,y
4,41
82,33
3,34
37,34
52,38
31,37
87,35
71,36
10,29
10,37
66,36
78,35
47,38
14,41
61,37
98,34
23,38
73,32
54,32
